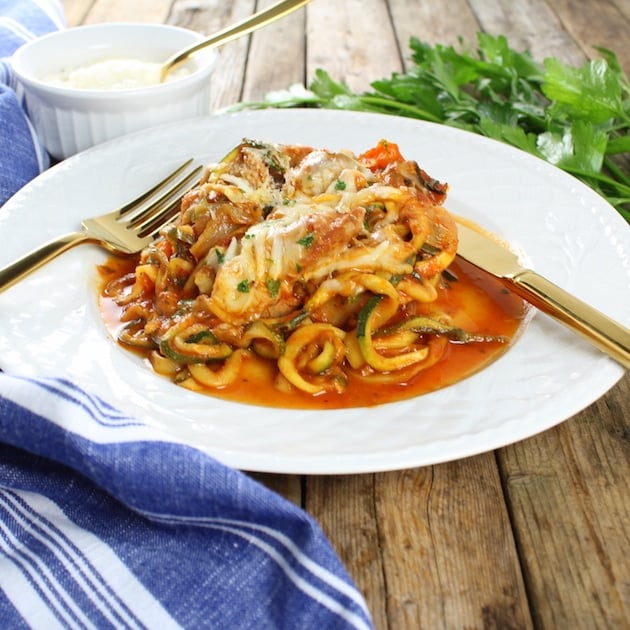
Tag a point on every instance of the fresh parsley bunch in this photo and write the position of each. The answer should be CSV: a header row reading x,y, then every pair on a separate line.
x,y
574,117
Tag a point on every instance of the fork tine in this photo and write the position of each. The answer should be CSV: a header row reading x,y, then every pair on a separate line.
x,y
140,199
142,219
151,229
113,232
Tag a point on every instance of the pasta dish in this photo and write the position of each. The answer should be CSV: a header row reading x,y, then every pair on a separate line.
x,y
315,270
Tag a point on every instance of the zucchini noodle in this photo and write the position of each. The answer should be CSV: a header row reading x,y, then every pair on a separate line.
x,y
324,265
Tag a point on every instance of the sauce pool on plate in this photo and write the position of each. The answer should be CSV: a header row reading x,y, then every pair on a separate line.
x,y
309,278
478,301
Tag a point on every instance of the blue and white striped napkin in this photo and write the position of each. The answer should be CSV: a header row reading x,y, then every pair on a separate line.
x,y
21,155
105,523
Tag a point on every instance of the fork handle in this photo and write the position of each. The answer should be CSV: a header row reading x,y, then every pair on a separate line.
x,y
16,270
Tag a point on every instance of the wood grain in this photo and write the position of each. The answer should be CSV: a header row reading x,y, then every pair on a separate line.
x,y
530,25
432,22
208,17
155,11
597,23
347,503
436,553
276,56
568,493
75,11
353,40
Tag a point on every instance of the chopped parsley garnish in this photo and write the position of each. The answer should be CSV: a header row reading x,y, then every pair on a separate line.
x,y
307,241
273,286
340,185
243,286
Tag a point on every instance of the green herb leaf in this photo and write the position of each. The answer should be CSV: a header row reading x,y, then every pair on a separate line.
x,y
580,149
273,286
577,118
592,92
306,241
243,286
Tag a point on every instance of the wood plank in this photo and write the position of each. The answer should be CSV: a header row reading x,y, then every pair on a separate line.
x,y
531,25
76,11
288,486
623,6
416,539
276,57
345,508
597,23
570,499
434,524
432,22
154,11
208,17
353,40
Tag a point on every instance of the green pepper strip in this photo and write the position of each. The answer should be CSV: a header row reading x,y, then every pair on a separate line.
x,y
430,326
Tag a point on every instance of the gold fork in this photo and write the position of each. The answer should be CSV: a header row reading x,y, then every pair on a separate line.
x,y
126,230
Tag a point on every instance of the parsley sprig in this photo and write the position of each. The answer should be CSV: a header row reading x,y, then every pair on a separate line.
x,y
577,118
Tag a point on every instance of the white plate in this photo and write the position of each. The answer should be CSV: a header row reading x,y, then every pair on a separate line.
x,y
50,322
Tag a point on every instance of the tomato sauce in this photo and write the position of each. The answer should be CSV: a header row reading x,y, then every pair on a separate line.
x,y
475,300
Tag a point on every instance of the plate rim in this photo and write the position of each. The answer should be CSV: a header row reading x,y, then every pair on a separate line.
x,y
357,463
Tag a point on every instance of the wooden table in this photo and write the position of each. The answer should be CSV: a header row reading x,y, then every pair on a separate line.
x,y
533,535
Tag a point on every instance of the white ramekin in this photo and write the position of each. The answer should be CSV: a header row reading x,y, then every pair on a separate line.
x,y
69,120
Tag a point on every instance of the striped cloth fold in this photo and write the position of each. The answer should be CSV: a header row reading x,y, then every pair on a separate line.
x,y
105,522
22,156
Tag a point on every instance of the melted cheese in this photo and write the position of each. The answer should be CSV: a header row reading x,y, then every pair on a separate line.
x,y
315,207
